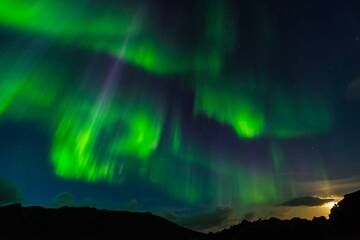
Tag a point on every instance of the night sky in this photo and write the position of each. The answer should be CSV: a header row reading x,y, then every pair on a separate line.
x,y
190,109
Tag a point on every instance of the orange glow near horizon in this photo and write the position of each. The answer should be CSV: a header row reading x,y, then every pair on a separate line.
x,y
330,205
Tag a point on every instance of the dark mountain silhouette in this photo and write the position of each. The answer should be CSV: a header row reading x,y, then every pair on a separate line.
x,y
89,223
343,223
346,213
66,223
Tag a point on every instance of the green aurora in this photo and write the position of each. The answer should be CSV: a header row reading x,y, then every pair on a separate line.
x,y
102,135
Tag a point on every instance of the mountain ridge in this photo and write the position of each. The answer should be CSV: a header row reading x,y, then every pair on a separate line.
x,y
39,222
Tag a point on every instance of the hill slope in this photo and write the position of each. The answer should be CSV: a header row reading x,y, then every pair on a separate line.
x,y
87,223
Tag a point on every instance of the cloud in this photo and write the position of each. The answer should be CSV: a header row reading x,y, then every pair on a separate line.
x,y
210,221
336,187
133,205
250,216
306,201
64,199
8,193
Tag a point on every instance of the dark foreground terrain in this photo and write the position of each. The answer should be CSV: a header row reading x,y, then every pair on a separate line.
x,y
86,223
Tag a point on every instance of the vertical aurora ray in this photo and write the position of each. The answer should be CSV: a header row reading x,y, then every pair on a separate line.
x,y
90,145
73,150
299,115
203,176
276,156
73,155
217,40
249,187
94,161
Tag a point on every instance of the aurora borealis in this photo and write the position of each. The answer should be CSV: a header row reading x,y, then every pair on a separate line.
x,y
188,104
